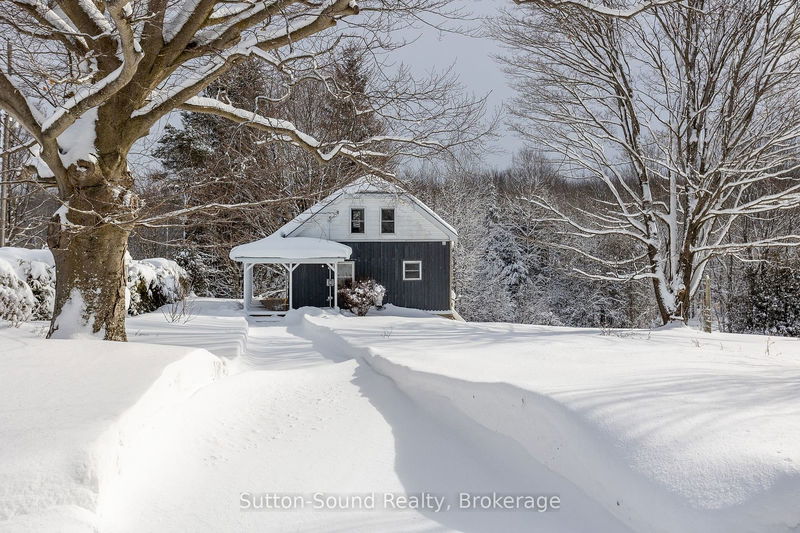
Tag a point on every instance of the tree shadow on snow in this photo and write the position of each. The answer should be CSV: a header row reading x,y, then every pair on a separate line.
x,y
441,451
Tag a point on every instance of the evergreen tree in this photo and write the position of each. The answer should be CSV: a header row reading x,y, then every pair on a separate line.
x,y
212,160
771,303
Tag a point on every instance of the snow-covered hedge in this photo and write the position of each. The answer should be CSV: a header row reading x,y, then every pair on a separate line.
x,y
16,299
362,296
28,284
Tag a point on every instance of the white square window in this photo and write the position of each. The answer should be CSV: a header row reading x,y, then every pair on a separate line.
x,y
412,270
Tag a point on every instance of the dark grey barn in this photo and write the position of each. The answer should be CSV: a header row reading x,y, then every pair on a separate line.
x,y
370,229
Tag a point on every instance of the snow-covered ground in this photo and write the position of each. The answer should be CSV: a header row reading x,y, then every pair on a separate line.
x,y
670,430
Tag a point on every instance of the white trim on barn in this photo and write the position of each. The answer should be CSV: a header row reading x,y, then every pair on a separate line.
x,y
418,270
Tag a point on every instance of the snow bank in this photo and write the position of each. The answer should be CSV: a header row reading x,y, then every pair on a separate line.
x,y
67,409
673,430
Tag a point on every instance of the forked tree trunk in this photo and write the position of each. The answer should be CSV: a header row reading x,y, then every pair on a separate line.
x,y
88,242
676,310
663,310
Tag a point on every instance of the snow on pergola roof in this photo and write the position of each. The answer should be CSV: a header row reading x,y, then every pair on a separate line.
x,y
364,184
295,249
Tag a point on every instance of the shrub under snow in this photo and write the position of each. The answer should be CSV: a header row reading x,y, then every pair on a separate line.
x,y
41,278
16,299
153,283
28,284
362,296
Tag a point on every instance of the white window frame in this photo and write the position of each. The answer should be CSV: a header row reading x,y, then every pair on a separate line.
x,y
363,221
394,221
352,277
404,270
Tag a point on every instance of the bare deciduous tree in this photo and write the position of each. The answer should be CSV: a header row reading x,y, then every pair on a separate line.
x,y
681,115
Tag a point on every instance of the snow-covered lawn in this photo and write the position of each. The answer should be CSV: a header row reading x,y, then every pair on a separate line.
x,y
670,430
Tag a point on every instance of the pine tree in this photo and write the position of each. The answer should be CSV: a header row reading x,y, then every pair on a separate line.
x,y
211,159
771,303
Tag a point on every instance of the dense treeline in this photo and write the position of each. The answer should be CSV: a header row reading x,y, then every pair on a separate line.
x,y
686,121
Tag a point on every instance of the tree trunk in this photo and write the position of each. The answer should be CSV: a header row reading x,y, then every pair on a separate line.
x,y
88,238
663,311
685,296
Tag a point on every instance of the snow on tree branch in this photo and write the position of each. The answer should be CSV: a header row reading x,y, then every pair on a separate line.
x,y
285,130
599,8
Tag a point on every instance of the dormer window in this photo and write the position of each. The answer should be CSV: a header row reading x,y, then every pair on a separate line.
x,y
357,220
387,220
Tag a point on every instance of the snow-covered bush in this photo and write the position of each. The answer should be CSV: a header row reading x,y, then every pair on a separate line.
x,y
16,299
202,271
153,283
41,278
362,296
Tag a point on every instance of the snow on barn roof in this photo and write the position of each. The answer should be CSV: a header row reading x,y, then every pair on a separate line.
x,y
363,185
295,249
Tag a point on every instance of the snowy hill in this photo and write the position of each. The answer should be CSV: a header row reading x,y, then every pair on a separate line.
x,y
669,430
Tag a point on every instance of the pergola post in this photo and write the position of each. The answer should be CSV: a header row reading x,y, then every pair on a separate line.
x,y
290,270
336,285
248,287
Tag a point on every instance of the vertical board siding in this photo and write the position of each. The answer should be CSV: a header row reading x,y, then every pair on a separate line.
x,y
383,262
309,286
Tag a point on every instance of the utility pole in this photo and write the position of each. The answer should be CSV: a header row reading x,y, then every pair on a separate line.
x,y
5,175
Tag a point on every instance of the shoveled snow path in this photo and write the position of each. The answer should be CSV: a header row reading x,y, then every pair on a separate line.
x,y
301,418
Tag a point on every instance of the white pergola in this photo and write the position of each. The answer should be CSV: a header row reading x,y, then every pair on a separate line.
x,y
289,253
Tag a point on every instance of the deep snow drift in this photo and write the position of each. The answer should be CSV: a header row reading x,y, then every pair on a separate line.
x,y
67,411
670,430
302,418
